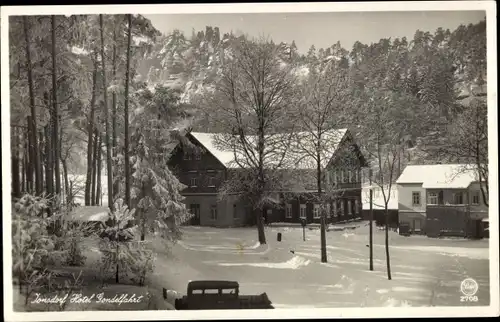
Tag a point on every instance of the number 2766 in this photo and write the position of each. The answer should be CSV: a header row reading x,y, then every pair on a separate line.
x,y
468,298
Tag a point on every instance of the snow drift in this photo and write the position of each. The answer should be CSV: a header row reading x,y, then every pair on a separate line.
x,y
294,263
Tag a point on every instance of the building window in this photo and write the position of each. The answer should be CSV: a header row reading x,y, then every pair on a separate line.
x,y
356,206
458,198
433,198
288,211
335,203
198,155
302,211
211,182
235,212
213,212
316,212
348,179
416,198
475,198
328,214
187,156
341,207
193,182
349,207
341,179
335,177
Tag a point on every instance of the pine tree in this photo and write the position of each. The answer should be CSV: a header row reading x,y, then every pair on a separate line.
x,y
155,191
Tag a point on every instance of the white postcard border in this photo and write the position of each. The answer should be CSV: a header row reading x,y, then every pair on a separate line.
x,y
491,310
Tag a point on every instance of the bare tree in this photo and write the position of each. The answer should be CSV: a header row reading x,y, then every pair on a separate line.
x,y
384,134
324,97
126,116
469,143
55,111
90,132
32,124
251,99
107,136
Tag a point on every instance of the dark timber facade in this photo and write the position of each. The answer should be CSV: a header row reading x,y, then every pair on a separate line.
x,y
204,172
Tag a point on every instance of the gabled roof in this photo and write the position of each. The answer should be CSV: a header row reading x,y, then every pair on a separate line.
x,y
208,141
304,144
439,176
296,156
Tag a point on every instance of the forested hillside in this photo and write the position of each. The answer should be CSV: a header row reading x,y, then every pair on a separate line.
x,y
439,70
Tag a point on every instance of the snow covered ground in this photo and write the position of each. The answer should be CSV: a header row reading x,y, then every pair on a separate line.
x,y
425,272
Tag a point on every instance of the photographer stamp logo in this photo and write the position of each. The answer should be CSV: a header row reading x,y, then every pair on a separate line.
x,y
469,288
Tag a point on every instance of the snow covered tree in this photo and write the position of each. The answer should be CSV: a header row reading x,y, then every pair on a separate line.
x,y
155,191
121,253
250,99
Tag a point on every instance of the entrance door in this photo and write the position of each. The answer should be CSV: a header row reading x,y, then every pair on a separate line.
x,y
195,210
417,225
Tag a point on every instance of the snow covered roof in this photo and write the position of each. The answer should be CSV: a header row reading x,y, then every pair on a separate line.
x,y
208,141
306,141
438,176
295,157
89,213
79,50
378,198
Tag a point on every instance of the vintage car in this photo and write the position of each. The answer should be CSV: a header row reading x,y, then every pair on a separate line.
x,y
219,295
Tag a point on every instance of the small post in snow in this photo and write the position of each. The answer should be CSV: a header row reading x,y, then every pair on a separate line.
x,y
371,221
303,222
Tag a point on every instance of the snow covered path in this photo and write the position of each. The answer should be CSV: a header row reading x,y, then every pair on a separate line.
x,y
425,272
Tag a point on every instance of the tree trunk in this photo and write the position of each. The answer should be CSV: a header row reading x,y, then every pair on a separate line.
x,y
371,222
324,257
98,176
387,243
117,276
69,196
94,167
55,109
106,115
16,182
28,166
113,118
41,145
90,130
32,124
143,215
126,147
23,172
49,165
260,227
113,98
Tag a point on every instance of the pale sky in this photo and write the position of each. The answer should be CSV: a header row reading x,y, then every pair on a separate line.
x,y
321,29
